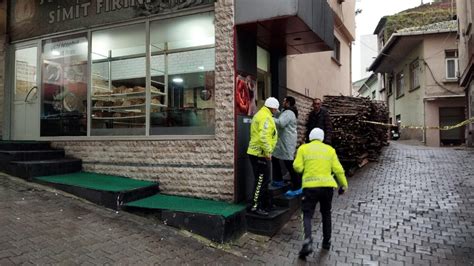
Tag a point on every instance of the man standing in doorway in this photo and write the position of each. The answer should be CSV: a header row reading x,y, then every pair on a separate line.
x,y
317,162
263,139
319,117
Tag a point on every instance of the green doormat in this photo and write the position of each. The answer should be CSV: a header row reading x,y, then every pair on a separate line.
x,y
97,181
184,204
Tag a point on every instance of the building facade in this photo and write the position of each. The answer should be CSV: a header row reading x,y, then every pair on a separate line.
x,y
422,87
466,60
307,74
154,90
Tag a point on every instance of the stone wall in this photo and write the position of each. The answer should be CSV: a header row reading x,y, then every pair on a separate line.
x,y
199,168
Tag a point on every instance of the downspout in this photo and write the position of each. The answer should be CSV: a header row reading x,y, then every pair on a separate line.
x,y
424,122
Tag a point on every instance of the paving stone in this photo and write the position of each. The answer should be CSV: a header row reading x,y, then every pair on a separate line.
x,y
412,207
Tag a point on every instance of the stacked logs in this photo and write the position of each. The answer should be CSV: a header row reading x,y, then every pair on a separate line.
x,y
357,142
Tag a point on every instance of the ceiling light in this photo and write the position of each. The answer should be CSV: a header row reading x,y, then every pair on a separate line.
x,y
201,67
55,52
178,80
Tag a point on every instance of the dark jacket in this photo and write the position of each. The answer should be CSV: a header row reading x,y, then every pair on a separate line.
x,y
322,121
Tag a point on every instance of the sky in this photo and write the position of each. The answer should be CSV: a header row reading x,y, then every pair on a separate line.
x,y
372,12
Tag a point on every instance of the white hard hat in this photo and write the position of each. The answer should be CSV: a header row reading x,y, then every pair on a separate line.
x,y
316,133
272,102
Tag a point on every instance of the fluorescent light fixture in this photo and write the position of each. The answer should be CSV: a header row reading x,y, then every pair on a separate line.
x,y
178,80
201,67
55,52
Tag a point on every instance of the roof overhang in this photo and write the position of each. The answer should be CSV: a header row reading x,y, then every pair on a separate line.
x,y
291,26
396,49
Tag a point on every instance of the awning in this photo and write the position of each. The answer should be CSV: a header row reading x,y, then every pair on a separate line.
x,y
291,26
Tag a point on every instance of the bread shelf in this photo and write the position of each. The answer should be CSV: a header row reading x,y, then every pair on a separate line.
x,y
105,108
119,118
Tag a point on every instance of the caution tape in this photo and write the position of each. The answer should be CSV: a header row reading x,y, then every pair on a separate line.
x,y
463,123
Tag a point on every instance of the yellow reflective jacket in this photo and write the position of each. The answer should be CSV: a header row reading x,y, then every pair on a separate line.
x,y
317,161
263,134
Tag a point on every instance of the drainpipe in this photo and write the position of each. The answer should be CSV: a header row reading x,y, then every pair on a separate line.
x,y
424,122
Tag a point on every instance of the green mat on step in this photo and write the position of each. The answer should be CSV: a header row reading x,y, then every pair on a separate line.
x,y
185,204
97,181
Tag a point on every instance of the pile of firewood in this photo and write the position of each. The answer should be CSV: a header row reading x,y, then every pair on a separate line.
x,y
357,142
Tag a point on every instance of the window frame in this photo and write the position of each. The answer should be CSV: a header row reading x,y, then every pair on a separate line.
x,y
414,73
88,32
451,55
399,84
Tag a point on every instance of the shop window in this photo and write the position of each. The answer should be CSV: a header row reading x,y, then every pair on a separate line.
x,y
64,86
452,67
414,75
400,84
182,76
118,93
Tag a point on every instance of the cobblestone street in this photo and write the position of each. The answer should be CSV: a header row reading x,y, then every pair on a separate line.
x,y
413,207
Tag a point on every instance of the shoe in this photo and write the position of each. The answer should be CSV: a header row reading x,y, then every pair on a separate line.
x,y
278,184
259,211
306,249
298,192
290,194
327,245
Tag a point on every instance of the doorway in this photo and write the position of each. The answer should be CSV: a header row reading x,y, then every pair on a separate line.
x,y
25,108
449,116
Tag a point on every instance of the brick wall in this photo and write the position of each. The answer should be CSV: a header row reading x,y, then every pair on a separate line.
x,y
200,168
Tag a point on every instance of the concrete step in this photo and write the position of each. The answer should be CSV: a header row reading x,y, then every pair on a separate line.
x,y
30,155
268,225
24,145
29,169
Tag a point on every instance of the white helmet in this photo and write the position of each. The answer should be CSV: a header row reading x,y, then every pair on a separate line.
x,y
316,133
272,102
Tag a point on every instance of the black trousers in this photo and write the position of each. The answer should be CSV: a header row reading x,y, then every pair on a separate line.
x,y
278,176
262,173
311,197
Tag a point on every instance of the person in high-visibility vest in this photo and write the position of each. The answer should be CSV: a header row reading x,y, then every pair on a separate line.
x,y
263,139
317,162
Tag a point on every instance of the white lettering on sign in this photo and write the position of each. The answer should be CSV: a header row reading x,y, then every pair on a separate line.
x,y
79,10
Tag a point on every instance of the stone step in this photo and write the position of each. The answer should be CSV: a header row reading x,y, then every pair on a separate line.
x,y
292,203
24,145
30,155
277,191
29,169
268,225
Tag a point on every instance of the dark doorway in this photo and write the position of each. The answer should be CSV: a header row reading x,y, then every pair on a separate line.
x,y
449,116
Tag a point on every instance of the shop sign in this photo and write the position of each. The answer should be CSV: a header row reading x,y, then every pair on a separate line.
x,y
34,18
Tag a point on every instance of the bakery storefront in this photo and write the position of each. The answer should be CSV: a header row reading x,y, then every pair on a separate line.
x,y
128,86
145,88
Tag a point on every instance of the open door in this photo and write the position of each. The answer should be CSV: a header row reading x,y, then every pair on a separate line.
x,y
25,108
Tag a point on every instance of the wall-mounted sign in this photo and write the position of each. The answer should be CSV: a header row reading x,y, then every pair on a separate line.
x,y
29,18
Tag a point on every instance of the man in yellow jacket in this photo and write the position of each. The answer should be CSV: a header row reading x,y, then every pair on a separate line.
x,y
263,138
317,162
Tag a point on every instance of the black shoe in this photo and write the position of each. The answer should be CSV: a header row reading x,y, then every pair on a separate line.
x,y
306,249
259,211
327,245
